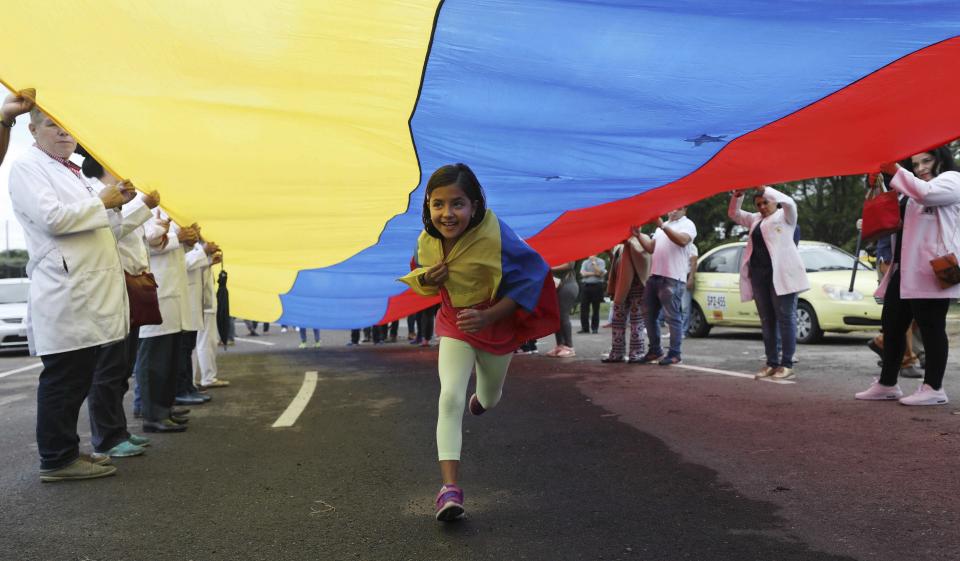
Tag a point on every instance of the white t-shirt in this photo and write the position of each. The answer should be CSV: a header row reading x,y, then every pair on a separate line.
x,y
669,259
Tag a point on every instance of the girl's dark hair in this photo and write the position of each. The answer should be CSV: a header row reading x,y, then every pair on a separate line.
x,y
462,176
943,157
91,167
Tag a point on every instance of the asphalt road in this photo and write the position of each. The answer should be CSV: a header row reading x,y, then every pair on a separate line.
x,y
581,460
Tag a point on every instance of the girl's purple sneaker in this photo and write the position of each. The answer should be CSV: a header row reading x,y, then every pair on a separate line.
x,y
449,503
475,407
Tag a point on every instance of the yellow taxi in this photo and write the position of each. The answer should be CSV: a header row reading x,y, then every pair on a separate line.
x,y
827,306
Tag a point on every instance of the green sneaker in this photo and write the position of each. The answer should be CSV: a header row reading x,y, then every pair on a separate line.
x,y
125,450
303,345
79,469
138,440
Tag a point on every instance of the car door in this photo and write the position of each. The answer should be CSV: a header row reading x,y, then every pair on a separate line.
x,y
718,286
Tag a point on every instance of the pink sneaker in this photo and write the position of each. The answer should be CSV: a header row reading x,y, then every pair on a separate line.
x,y
449,503
925,395
879,392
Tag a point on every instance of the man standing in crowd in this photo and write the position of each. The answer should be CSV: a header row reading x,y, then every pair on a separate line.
x,y
78,299
592,272
205,368
670,247
159,351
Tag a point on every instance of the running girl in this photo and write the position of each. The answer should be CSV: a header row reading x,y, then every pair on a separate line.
x,y
495,293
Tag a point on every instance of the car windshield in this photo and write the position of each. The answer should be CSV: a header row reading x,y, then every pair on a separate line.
x,y
828,258
14,293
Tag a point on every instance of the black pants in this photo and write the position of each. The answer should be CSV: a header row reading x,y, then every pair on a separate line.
x,y
590,298
567,295
394,329
355,336
157,374
188,341
412,324
425,321
931,316
64,383
108,423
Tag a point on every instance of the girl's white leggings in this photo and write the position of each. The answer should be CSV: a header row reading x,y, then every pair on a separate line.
x,y
457,360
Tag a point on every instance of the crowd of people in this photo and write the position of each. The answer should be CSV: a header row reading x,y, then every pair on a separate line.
x,y
96,248
118,290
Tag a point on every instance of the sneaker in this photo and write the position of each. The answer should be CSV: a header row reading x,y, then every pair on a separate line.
x,y
879,392
764,372
141,441
97,458
283,330
669,361
317,345
554,351
125,450
925,395
302,346
783,373
636,359
613,359
449,503
566,352
651,358
416,341
79,469
910,372
475,407
215,383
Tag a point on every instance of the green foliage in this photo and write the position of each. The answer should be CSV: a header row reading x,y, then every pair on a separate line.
x,y
13,263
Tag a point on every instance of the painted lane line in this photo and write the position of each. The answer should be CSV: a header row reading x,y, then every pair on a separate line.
x,y
19,370
730,373
299,402
246,340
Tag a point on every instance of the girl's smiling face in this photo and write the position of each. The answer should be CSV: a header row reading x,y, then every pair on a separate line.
x,y
451,211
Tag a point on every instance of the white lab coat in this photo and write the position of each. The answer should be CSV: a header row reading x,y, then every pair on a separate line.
x,y
78,296
168,265
789,273
196,261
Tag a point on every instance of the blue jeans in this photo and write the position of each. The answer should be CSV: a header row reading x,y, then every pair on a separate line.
x,y
778,322
662,293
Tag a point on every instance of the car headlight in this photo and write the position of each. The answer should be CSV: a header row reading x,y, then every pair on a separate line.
x,y
836,292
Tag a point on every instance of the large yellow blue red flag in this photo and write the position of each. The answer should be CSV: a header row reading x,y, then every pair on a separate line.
x,y
300,134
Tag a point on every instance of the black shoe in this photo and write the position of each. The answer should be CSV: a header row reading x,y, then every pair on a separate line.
x,y
608,360
179,420
595,331
183,412
189,399
582,331
165,425
205,397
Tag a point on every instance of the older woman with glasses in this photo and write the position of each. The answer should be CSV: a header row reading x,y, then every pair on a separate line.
x,y
772,274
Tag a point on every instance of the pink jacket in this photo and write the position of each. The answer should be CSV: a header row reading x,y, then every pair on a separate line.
x,y
921,233
789,274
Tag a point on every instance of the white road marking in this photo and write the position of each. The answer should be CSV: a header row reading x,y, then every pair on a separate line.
x,y
19,370
730,373
247,340
299,402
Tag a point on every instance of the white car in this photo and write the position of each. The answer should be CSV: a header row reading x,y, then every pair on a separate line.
x,y
13,312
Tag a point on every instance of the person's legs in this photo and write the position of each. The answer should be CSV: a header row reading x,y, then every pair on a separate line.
x,y
64,383
618,333
567,296
108,424
303,334
595,302
394,329
585,309
931,316
895,318
412,326
184,385
207,350
429,315
651,309
456,362
671,297
763,297
635,311
786,311
153,370
355,336
491,372
316,335
685,305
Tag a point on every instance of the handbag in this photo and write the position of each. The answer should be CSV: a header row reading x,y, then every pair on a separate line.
x,y
144,304
945,266
881,212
